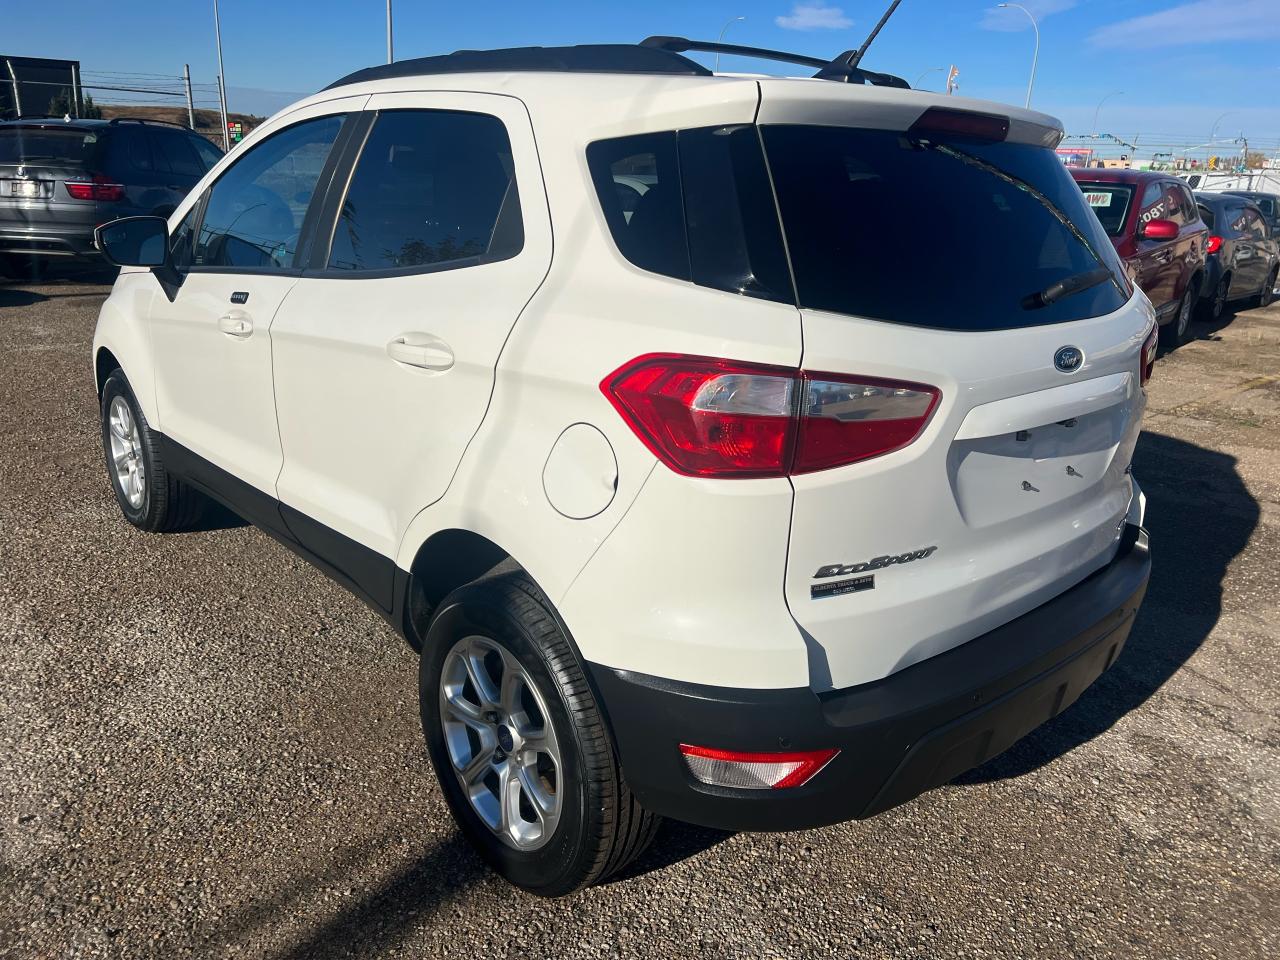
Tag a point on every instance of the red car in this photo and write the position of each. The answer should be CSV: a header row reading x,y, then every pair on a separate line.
x,y
1153,221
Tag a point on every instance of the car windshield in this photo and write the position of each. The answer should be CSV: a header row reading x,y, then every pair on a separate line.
x,y
937,231
22,144
1110,201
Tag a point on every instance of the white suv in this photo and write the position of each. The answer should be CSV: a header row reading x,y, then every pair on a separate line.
x,y
752,451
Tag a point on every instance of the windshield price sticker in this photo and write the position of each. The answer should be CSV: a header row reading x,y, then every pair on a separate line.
x,y
1099,198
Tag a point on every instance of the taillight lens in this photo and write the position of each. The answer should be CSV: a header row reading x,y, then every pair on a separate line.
x,y
705,417
1148,362
99,188
1213,245
754,771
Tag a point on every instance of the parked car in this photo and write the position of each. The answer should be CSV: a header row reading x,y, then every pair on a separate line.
x,y
737,503
1153,222
1267,203
1242,253
59,179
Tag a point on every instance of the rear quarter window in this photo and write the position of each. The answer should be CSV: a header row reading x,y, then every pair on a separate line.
x,y
931,231
1109,203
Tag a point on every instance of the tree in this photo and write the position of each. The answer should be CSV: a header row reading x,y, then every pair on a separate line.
x,y
61,105
1256,160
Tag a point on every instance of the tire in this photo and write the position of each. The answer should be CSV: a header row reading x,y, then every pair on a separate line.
x,y
149,497
1177,331
572,820
1216,307
1267,293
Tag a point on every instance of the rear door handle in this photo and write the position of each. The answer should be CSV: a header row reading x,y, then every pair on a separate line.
x,y
236,324
421,350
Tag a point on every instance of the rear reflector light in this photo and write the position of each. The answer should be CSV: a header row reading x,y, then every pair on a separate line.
x,y
1214,245
960,123
99,188
754,771
705,417
1148,361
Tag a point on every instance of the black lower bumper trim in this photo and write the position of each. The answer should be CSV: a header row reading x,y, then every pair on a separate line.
x,y
914,730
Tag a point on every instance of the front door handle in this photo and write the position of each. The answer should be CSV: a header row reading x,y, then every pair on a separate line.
x,y
236,324
421,350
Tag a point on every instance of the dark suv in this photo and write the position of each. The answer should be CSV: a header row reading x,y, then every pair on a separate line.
x,y
59,179
1267,203
1242,254
1153,221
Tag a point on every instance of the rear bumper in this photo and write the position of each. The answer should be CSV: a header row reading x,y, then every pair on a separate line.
x,y
916,729
48,241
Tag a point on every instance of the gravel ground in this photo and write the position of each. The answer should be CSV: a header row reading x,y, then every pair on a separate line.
x,y
207,749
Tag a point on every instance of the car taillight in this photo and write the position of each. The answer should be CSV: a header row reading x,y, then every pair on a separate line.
x,y
705,417
1148,362
99,188
1213,245
754,771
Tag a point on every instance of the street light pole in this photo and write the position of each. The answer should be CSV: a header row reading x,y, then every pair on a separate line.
x,y
1113,93
391,55
1214,132
222,79
721,40
1035,57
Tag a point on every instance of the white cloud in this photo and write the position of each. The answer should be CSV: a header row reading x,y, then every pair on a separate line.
x,y
1205,21
815,15
1010,19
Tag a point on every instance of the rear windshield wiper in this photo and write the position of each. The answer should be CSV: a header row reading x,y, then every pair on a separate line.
x,y
1065,288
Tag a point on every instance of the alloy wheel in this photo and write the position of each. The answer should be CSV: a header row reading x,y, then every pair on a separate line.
x,y
501,742
126,453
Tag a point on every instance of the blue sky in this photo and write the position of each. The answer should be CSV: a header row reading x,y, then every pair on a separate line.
x,y
1180,65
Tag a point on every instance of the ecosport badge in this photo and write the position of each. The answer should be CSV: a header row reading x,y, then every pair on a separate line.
x,y
867,581
1068,359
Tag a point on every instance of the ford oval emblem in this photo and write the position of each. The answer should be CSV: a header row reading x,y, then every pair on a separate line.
x,y
1068,359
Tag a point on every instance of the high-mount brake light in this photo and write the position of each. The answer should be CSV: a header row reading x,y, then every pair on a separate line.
x,y
942,121
755,771
1213,245
708,417
99,188
1147,364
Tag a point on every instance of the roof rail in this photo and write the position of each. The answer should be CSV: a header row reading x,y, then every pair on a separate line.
x,y
842,68
165,123
585,58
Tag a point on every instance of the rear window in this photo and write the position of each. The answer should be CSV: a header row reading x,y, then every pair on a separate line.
x,y
936,231
41,145
1206,215
694,205
1110,202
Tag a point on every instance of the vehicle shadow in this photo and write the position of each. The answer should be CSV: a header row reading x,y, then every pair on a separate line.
x,y
1200,516
18,297
376,920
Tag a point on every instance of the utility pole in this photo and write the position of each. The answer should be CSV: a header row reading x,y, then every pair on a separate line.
x,y
391,50
222,79
191,107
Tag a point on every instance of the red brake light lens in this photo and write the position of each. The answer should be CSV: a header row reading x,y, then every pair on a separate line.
x,y
1213,245
1148,362
99,188
705,417
960,123
755,771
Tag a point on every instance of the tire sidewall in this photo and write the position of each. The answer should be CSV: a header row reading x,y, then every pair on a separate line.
x,y
117,385
554,867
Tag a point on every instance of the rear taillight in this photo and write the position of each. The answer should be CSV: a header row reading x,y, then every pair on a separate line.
x,y
943,121
705,417
99,188
1213,245
754,771
1148,362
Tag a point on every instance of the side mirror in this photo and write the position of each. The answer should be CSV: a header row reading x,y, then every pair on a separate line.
x,y
1159,229
134,241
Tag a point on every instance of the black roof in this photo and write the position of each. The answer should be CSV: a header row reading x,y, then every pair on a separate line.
x,y
1220,198
655,55
1251,193
584,58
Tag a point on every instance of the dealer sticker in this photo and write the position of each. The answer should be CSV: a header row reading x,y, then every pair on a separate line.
x,y
1100,198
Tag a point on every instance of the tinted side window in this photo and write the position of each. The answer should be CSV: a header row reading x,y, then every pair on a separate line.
x,y
254,215
206,151
1255,226
1180,210
695,205
177,153
140,157
430,187
1155,204
180,244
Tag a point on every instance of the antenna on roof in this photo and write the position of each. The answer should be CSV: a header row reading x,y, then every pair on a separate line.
x,y
857,57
